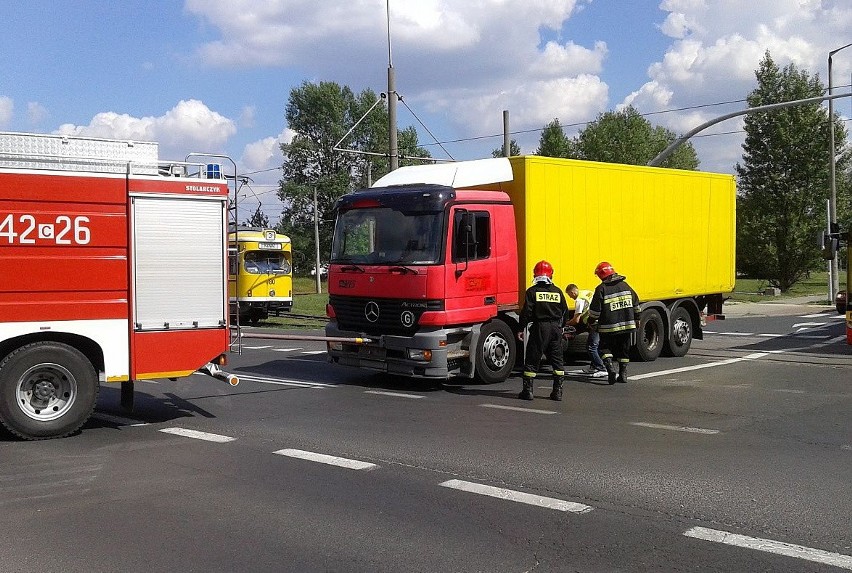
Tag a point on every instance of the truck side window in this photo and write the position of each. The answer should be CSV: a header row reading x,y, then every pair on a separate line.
x,y
477,243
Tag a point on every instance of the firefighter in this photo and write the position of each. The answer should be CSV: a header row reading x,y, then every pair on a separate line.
x,y
615,310
544,311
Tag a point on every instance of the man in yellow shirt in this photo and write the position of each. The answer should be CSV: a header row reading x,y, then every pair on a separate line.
x,y
579,320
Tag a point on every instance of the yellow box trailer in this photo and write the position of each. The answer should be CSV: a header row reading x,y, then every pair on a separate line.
x,y
670,232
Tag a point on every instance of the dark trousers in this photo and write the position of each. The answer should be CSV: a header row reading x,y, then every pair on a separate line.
x,y
617,345
544,338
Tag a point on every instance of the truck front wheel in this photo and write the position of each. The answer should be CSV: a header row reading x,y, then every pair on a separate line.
x,y
495,352
650,335
47,390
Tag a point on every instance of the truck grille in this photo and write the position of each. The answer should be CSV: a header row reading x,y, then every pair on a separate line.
x,y
381,315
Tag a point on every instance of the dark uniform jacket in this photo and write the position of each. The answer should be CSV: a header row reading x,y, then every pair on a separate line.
x,y
615,306
544,302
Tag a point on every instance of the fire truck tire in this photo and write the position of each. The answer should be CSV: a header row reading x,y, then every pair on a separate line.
x,y
47,390
680,333
650,336
495,352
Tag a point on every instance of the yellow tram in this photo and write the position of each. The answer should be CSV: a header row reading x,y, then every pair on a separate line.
x,y
260,272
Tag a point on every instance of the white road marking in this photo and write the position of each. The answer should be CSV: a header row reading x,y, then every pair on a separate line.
x,y
285,349
121,421
789,391
770,335
816,315
770,546
256,347
517,409
675,428
314,352
754,356
520,497
326,459
808,324
198,435
394,394
284,382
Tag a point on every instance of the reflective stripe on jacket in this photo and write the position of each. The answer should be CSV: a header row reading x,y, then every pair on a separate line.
x,y
615,306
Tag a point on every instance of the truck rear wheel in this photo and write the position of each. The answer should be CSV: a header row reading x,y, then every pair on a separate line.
x,y
495,352
47,390
680,332
650,335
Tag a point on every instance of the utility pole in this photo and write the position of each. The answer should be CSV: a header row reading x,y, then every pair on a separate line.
x,y
393,148
316,243
507,140
832,205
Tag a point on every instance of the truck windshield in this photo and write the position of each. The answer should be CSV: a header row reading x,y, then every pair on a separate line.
x,y
381,235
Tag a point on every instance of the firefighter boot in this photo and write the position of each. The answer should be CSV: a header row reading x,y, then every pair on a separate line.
x,y
557,389
527,392
610,370
622,372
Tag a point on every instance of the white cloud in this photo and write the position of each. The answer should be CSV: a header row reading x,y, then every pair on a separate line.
x,y
36,112
465,62
716,49
462,59
568,60
7,106
266,153
247,116
189,126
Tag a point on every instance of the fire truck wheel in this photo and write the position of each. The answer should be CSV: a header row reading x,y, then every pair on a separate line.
x,y
495,352
680,333
47,390
650,335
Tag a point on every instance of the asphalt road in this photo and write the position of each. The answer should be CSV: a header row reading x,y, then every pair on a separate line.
x,y
737,457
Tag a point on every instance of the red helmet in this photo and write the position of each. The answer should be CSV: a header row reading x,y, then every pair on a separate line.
x,y
543,269
604,270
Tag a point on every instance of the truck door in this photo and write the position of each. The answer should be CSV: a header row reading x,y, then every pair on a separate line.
x,y
471,278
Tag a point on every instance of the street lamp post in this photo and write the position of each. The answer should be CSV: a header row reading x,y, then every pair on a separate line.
x,y
832,205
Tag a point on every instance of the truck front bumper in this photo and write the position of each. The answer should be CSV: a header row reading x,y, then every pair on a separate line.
x,y
424,355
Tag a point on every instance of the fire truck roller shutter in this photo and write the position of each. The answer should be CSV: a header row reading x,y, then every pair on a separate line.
x,y
47,390
178,263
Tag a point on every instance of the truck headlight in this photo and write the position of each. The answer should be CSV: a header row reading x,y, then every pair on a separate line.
x,y
418,354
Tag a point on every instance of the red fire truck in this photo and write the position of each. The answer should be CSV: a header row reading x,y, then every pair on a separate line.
x,y
112,269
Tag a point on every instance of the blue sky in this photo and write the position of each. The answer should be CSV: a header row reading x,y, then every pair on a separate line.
x,y
214,75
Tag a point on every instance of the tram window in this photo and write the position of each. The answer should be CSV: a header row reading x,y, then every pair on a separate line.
x,y
264,262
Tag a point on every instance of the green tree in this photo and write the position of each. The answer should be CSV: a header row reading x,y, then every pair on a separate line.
x,y
321,114
554,142
514,150
783,179
258,219
627,137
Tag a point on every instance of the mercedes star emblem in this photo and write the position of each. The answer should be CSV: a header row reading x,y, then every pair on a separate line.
x,y
371,311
